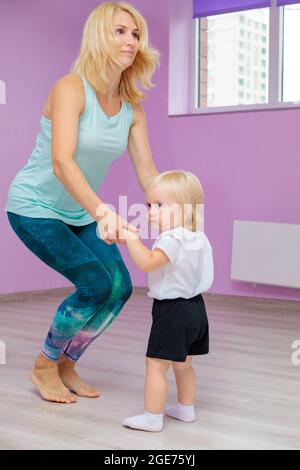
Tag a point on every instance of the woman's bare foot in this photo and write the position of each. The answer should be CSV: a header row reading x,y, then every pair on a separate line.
x,y
73,381
46,378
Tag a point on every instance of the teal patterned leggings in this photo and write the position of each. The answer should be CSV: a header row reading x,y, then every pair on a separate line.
x,y
97,270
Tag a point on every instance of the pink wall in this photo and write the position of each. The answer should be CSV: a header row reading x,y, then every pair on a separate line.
x,y
248,162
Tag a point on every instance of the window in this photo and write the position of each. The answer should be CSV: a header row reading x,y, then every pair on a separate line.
x,y
290,54
231,54
224,54
242,39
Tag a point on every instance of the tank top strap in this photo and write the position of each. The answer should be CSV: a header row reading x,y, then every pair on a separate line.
x,y
87,86
89,96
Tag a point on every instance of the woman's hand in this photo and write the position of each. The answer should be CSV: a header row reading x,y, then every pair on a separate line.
x,y
112,228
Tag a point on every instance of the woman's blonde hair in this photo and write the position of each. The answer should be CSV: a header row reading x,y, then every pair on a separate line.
x,y
187,190
98,53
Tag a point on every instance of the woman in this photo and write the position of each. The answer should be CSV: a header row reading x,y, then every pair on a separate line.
x,y
89,118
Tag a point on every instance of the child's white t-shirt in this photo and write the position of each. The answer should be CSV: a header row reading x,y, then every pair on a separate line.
x,y
190,270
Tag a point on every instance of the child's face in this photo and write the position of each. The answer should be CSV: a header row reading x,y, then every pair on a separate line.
x,y
164,213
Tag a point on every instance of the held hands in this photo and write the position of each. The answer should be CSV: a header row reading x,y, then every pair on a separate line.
x,y
130,235
112,228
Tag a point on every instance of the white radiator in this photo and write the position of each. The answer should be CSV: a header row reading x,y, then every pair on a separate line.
x,y
266,253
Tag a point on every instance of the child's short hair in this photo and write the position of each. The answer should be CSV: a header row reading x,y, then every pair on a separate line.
x,y
187,190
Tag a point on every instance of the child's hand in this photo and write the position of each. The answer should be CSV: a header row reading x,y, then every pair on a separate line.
x,y
110,225
130,235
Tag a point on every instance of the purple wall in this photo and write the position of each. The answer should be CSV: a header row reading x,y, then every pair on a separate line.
x,y
248,162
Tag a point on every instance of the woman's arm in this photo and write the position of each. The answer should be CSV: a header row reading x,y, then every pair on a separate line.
x,y
147,260
139,149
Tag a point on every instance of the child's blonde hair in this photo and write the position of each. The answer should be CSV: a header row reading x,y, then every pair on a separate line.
x,y
186,188
98,53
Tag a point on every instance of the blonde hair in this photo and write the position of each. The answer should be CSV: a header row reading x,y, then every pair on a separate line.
x,y
186,188
98,53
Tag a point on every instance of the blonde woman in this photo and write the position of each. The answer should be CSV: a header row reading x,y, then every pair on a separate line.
x,y
180,267
90,117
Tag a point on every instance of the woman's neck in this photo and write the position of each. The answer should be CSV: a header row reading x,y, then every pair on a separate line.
x,y
113,87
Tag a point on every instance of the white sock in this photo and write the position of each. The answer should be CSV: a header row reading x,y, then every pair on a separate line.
x,y
184,413
145,422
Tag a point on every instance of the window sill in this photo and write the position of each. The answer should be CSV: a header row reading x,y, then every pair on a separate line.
x,y
237,109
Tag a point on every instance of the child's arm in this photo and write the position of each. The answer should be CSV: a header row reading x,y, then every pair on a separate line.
x,y
147,260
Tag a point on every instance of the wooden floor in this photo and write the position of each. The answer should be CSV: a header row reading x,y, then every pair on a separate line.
x,y
248,388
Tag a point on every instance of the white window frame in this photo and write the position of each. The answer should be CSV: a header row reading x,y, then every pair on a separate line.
x,y
184,78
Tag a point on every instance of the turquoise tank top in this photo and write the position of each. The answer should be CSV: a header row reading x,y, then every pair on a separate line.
x,y
37,192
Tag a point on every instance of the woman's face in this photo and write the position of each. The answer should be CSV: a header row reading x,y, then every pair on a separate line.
x,y
127,33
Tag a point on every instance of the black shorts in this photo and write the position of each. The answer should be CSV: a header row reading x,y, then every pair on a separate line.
x,y
179,329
